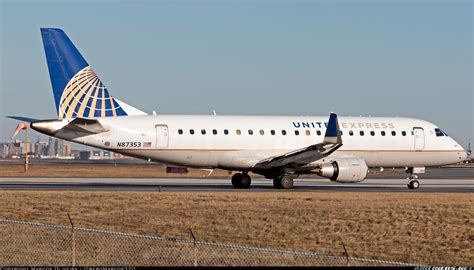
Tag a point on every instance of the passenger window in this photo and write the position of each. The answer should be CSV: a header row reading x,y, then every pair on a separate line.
x,y
308,132
383,133
191,131
262,132
318,132
272,132
203,131
372,133
297,132
214,132
361,133
226,132
351,133
404,133
283,132
238,132
394,133
180,131
250,132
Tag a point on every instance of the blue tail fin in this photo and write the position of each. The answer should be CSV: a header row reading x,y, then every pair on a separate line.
x,y
78,92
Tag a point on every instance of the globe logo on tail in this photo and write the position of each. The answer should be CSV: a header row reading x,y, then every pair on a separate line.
x,y
86,96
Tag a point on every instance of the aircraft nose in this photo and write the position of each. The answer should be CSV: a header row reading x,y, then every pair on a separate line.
x,y
463,155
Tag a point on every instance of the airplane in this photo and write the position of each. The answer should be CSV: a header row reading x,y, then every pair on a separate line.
x,y
280,148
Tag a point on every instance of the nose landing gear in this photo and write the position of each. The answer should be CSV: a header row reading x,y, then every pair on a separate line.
x,y
412,179
413,184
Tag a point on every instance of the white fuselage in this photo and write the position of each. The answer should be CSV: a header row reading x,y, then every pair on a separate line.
x,y
239,142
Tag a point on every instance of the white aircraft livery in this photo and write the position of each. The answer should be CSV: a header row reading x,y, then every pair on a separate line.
x,y
278,147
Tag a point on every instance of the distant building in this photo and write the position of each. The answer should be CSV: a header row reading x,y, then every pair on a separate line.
x,y
4,150
67,150
15,150
58,148
51,147
96,154
84,155
40,149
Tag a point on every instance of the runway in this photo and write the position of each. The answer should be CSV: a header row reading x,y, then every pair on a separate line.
x,y
223,184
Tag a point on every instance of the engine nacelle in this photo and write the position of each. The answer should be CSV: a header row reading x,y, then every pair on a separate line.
x,y
345,170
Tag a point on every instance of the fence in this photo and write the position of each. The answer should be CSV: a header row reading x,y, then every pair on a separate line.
x,y
36,244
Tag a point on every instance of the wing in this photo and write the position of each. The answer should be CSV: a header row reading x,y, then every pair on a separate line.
x,y
300,157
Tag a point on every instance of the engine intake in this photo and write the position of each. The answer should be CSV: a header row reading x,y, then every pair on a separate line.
x,y
345,170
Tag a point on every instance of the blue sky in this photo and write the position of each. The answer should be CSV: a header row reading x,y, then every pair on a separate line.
x,y
379,58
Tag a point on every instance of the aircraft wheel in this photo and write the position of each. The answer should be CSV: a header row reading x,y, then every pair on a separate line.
x,y
241,180
277,183
413,184
245,181
236,180
286,182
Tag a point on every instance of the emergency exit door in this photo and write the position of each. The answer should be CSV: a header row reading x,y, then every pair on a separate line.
x,y
162,136
419,135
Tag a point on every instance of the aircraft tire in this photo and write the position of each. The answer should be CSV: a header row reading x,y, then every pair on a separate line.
x,y
286,182
413,184
277,183
236,180
245,181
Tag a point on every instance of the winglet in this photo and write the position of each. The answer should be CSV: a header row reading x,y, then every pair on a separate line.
x,y
333,135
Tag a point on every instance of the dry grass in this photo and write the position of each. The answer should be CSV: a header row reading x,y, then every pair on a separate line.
x,y
432,228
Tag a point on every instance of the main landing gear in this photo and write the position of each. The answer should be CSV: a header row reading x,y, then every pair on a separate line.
x,y
241,180
283,182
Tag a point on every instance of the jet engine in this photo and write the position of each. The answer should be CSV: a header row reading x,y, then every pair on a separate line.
x,y
344,170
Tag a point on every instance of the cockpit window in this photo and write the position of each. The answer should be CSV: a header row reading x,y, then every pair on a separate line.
x,y
440,133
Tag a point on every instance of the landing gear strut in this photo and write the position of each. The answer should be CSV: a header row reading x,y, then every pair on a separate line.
x,y
241,180
283,182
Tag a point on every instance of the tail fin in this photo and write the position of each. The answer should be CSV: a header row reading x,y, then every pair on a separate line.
x,y
78,92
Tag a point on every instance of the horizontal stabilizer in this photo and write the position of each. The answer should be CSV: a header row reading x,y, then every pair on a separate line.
x,y
23,119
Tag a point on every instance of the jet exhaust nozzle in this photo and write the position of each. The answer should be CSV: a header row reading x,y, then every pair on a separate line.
x,y
48,127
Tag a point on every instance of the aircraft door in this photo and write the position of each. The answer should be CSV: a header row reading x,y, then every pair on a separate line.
x,y
162,136
419,135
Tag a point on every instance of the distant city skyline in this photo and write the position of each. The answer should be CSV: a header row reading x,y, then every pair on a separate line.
x,y
390,58
53,148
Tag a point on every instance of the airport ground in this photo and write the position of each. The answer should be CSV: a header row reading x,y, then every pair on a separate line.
x,y
418,227
426,228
